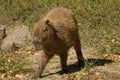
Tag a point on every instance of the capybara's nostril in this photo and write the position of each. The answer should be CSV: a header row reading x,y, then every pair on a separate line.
x,y
36,42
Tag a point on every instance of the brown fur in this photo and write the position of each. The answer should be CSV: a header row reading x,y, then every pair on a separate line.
x,y
55,34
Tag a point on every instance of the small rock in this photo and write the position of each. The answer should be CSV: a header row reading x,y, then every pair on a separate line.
x,y
19,37
2,32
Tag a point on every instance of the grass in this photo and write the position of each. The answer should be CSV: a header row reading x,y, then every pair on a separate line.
x,y
10,64
99,21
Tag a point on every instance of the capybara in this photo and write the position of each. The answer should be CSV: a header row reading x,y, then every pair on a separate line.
x,y
55,34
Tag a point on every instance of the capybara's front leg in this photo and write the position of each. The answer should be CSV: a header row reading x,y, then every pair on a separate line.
x,y
44,58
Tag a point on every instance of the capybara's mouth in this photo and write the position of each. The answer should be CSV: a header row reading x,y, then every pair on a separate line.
x,y
38,47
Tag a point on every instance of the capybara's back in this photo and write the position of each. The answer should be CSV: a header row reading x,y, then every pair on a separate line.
x,y
62,15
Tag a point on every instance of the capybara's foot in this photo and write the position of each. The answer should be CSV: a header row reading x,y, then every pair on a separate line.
x,y
66,71
36,77
81,63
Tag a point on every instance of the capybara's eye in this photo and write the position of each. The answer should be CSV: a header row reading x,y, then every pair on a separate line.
x,y
45,29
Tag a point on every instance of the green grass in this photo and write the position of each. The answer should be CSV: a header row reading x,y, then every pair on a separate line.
x,y
99,20
10,64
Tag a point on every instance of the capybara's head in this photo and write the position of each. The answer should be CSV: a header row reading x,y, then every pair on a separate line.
x,y
43,33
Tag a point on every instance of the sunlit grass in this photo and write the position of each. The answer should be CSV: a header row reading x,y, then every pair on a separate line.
x,y
99,21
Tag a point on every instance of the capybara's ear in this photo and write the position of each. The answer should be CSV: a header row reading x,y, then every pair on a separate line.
x,y
50,24
47,21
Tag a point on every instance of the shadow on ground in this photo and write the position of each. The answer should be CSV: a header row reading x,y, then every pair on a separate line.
x,y
98,62
91,61
71,68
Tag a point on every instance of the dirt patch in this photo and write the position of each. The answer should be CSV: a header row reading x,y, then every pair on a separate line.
x,y
95,64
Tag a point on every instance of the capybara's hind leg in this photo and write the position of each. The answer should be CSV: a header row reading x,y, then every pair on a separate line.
x,y
63,59
79,54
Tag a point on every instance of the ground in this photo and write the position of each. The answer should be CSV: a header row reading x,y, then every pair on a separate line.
x,y
23,63
98,67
